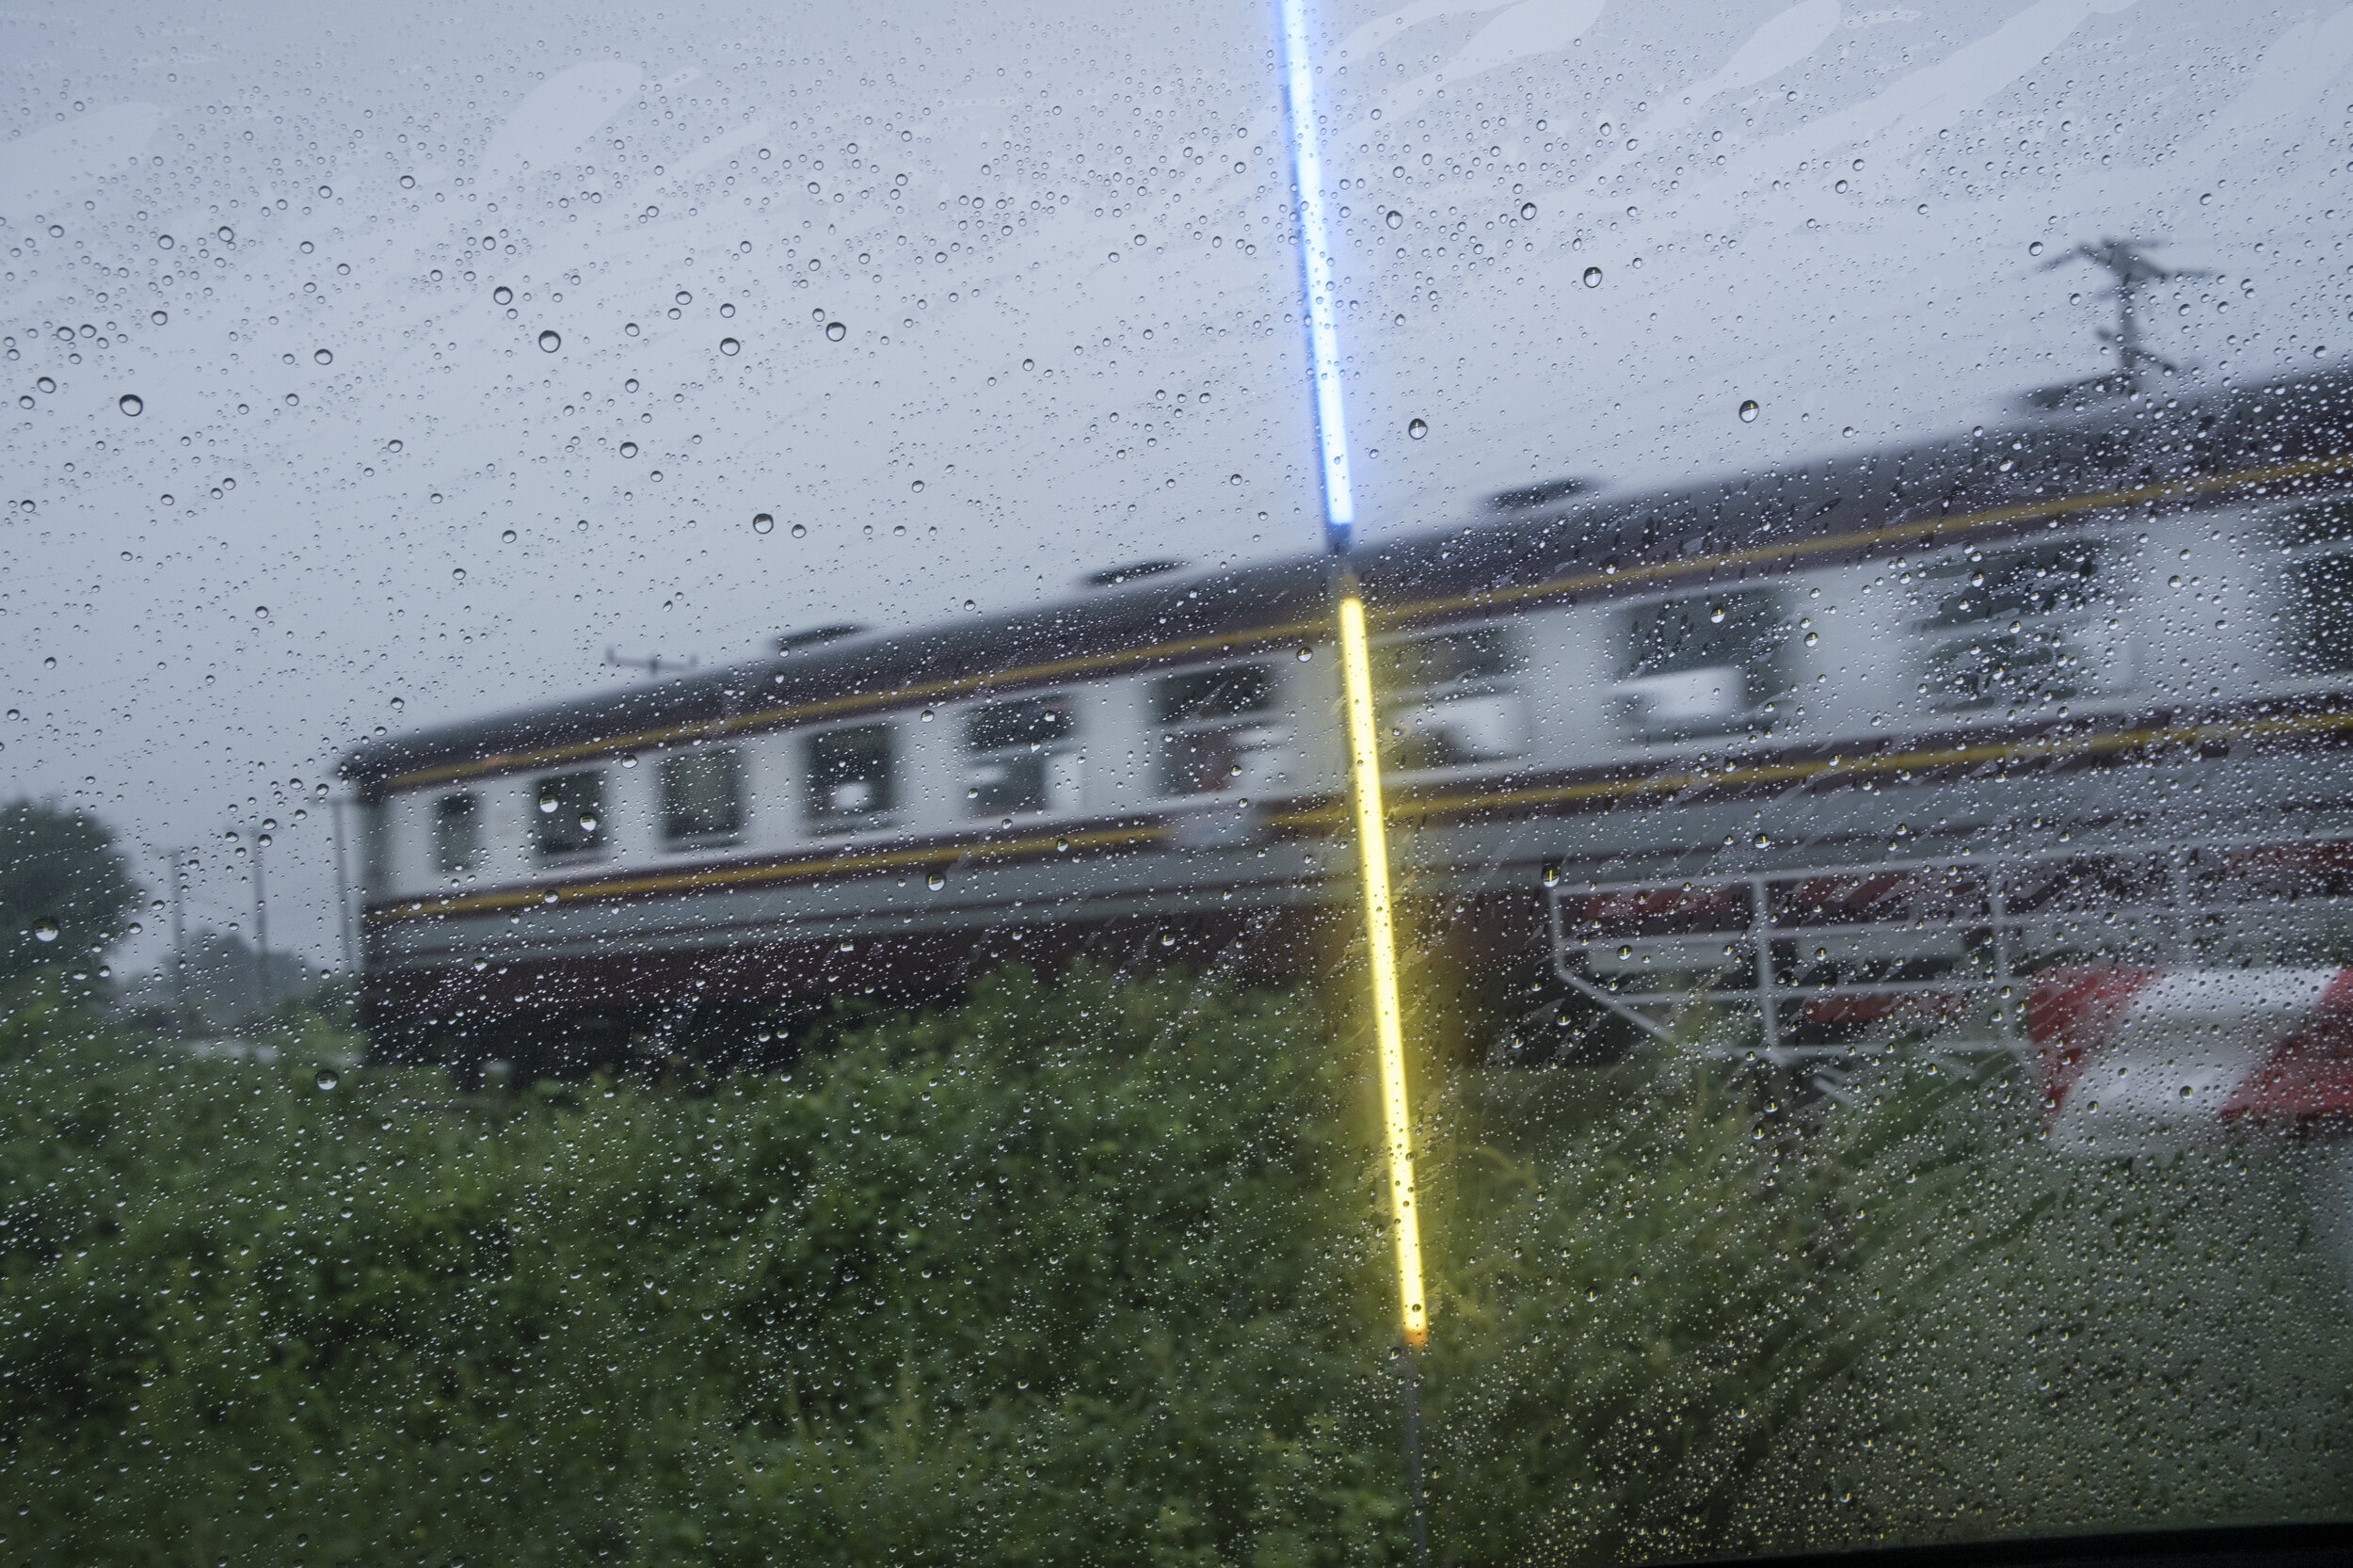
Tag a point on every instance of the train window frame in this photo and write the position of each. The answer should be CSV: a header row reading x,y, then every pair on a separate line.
x,y
1954,638
1051,762
591,815
673,766
1238,733
450,810
1413,709
1643,688
882,812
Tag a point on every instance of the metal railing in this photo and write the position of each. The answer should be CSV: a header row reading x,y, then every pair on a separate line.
x,y
1805,957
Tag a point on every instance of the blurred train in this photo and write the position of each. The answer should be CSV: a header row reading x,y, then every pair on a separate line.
x,y
1773,764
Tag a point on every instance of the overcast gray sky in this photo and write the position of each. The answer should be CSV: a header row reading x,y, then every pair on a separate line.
x,y
364,487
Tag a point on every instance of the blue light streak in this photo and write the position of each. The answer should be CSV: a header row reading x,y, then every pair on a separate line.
x,y
1317,289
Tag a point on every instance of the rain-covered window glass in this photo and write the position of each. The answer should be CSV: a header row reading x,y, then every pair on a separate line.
x,y
1702,664
702,795
456,830
1453,698
852,777
1407,783
1216,727
1022,757
570,815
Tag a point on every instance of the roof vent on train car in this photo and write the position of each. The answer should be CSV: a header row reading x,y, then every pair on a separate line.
x,y
1112,576
1527,498
792,642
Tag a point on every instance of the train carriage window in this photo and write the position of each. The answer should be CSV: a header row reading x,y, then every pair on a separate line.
x,y
852,777
1019,756
702,795
2026,616
1216,735
1702,664
2316,586
570,815
457,831
1449,699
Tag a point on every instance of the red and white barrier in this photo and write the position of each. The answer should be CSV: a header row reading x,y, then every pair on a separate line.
x,y
2142,1060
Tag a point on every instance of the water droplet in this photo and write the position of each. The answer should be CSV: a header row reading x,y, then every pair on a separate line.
x,y
1306,654
800,530
629,449
502,294
129,403
45,384
44,931
228,235
261,612
2035,249
1748,412
326,1079
323,356
164,241
935,882
836,331
409,182
1029,365
917,486
1552,876
631,328
1396,219
968,604
1840,187
684,299
1717,614
1168,938
159,319
1528,211
550,341
764,523
728,345
1233,478
507,537
457,574
1417,428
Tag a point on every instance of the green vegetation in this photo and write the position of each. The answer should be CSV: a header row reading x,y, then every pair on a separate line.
x,y
1093,1272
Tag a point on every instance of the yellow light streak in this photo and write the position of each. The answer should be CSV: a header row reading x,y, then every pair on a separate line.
x,y
1373,849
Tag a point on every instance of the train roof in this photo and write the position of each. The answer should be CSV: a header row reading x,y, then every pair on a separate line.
x,y
1556,540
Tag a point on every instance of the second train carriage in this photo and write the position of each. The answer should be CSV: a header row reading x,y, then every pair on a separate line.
x,y
1771,760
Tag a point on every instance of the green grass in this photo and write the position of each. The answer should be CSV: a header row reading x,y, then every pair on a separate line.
x,y
1094,1272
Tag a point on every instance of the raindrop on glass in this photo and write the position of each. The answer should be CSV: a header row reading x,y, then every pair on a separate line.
x,y
1593,277
1528,211
129,403
1748,412
326,1079
504,295
764,523
1417,428
728,345
323,356
1396,219
159,319
836,331
44,931
550,341
800,530
629,449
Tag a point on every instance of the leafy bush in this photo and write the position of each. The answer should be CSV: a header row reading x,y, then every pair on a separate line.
x,y
1094,1272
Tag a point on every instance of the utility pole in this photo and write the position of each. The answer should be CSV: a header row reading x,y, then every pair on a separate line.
x,y
260,925
342,889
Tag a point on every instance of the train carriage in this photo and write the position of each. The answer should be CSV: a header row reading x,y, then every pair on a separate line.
x,y
1853,746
